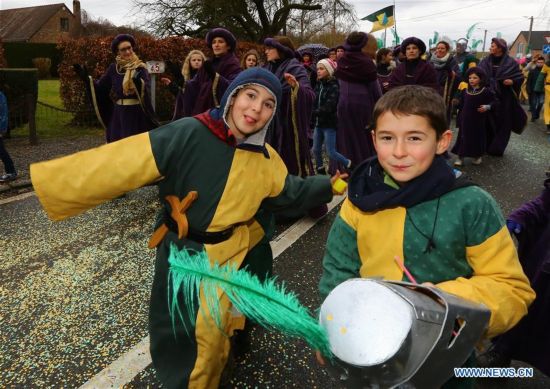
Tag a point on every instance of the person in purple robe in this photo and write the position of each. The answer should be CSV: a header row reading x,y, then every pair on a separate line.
x,y
204,91
529,340
128,80
473,120
414,70
384,66
191,65
447,71
359,92
505,79
288,134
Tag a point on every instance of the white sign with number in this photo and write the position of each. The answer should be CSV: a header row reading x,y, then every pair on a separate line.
x,y
155,67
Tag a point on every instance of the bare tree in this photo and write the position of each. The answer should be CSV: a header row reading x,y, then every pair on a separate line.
x,y
250,19
328,24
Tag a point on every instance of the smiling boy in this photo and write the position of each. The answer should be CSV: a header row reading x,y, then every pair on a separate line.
x,y
213,172
407,203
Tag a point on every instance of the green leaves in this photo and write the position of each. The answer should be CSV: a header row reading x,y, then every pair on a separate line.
x,y
269,304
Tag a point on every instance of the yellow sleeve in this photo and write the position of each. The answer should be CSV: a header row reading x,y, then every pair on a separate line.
x,y
498,282
70,185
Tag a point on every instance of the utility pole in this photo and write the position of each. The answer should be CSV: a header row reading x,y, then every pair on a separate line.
x,y
484,39
528,48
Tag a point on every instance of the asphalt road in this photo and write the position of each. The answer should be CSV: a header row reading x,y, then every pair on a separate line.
x,y
74,295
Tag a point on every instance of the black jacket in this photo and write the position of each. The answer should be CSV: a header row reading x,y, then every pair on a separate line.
x,y
326,102
532,79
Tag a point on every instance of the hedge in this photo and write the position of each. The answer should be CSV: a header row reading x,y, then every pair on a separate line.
x,y
96,54
21,54
2,58
16,84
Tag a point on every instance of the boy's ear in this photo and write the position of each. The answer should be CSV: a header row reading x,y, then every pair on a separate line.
x,y
444,142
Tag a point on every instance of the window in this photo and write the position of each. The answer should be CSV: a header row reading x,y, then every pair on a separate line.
x,y
521,48
64,24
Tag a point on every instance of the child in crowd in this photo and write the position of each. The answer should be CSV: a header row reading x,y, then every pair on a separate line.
x,y
213,171
324,116
473,120
250,59
406,203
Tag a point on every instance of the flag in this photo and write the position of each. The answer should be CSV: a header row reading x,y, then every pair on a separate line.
x,y
381,19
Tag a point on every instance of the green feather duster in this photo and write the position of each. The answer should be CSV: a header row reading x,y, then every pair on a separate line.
x,y
268,304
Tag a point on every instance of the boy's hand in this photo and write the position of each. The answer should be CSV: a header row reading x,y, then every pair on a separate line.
x,y
337,189
291,80
319,358
508,82
482,109
165,81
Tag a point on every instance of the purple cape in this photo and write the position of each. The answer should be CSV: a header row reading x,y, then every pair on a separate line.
x,y
529,340
287,136
508,115
199,95
356,67
424,75
472,125
122,121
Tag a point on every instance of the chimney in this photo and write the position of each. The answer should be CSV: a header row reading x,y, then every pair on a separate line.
x,y
78,17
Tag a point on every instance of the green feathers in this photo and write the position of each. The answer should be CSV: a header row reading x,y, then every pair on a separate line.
x,y
268,304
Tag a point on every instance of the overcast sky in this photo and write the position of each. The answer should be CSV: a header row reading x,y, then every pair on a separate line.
x,y
414,17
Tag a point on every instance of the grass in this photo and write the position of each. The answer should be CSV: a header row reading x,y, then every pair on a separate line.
x,y
51,123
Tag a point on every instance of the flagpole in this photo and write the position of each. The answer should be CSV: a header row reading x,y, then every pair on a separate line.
x,y
395,24
385,33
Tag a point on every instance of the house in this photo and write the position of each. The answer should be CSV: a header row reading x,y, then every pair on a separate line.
x,y
538,39
41,24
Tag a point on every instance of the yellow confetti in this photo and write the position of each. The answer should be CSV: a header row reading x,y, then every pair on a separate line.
x,y
329,317
343,330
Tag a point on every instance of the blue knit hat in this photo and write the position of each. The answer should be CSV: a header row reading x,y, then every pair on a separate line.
x,y
251,76
122,38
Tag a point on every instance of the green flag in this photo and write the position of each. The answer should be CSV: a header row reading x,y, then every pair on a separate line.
x,y
381,19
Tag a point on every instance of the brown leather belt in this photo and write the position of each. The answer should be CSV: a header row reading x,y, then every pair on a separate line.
x,y
176,221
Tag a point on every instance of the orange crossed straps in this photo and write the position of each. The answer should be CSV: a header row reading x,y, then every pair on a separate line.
x,y
178,214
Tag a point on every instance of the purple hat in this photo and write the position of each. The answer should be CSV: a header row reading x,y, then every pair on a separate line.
x,y
286,51
414,41
480,73
221,33
356,46
396,51
122,38
501,43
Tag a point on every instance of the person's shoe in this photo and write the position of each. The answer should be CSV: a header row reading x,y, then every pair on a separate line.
x,y
458,162
8,177
492,358
321,170
477,161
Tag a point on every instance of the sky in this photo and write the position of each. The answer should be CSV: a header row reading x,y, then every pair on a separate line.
x,y
414,17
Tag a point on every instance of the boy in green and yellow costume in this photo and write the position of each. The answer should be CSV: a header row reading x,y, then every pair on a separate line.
x,y
213,172
406,205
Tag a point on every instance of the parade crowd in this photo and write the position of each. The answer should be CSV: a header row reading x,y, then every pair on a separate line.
x,y
245,147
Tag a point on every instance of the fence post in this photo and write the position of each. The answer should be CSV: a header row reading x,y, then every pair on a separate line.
x,y
33,139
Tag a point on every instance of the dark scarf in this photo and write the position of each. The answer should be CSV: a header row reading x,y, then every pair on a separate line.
x,y
383,69
423,74
356,67
369,193
410,66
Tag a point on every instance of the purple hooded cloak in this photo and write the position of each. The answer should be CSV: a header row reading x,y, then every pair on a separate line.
x,y
288,134
359,92
203,93
508,115
529,340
